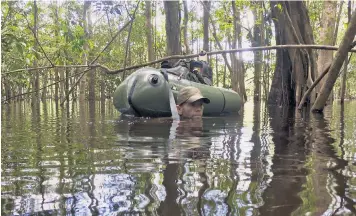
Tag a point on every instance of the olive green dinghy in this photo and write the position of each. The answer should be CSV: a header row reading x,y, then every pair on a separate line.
x,y
145,93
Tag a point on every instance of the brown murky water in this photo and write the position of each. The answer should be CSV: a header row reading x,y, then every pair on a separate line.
x,y
89,161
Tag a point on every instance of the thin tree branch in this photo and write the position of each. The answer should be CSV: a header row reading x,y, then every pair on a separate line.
x,y
313,86
219,44
49,67
35,36
292,46
109,24
108,44
337,23
128,40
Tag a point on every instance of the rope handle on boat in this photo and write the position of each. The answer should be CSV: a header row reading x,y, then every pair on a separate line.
x,y
172,102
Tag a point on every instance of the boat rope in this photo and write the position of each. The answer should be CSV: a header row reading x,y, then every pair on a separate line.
x,y
172,102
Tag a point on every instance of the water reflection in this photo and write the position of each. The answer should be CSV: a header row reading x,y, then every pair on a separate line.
x,y
85,159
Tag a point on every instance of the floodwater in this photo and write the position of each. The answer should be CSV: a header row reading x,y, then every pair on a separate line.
x,y
90,161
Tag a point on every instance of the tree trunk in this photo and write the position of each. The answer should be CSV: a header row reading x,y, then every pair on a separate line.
x,y
255,42
83,81
149,31
234,73
102,89
88,32
206,5
337,23
172,28
185,28
7,88
36,81
44,90
224,77
216,71
340,56
291,72
326,37
240,63
343,83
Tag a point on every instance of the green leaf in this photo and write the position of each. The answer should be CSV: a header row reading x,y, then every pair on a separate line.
x,y
346,25
90,44
279,6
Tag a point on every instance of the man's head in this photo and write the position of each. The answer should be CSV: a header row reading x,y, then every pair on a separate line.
x,y
190,102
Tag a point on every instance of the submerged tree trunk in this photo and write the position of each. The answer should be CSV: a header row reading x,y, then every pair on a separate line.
x,y
326,37
343,82
149,31
172,28
291,72
340,57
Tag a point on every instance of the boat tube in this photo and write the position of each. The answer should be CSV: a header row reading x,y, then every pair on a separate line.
x,y
145,93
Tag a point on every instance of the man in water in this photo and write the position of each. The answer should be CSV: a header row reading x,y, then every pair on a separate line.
x,y
190,102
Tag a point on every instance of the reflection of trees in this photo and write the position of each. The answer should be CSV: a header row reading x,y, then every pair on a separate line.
x,y
287,164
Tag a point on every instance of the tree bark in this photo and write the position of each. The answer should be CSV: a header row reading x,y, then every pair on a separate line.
x,y
292,26
340,56
326,34
149,31
172,28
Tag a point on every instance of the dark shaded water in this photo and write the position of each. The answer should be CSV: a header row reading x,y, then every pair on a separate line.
x,y
88,161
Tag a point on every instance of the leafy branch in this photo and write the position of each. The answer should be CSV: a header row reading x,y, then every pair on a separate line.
x,y
35,36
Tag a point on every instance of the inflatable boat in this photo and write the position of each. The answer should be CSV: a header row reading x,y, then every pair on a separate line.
x,y
145,93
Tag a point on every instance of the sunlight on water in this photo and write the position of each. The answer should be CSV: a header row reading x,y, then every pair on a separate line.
x,y
90,161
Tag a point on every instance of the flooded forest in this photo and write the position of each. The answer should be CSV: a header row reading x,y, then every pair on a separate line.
x,y
67,149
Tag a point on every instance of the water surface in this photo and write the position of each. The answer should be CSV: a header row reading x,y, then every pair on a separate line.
x,y
87,160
